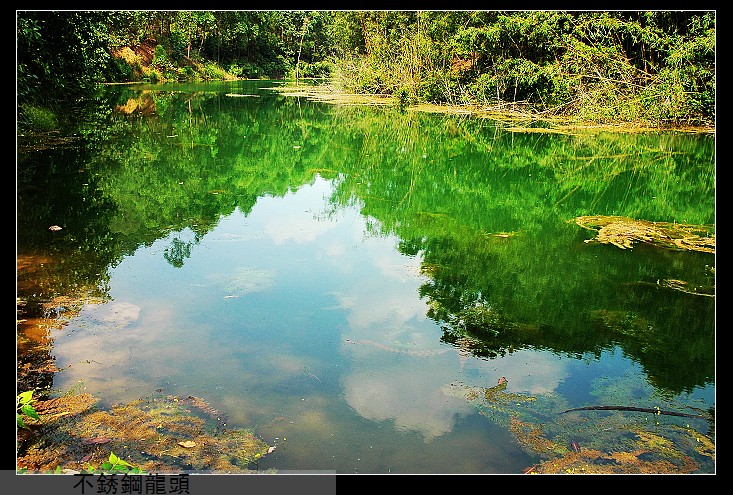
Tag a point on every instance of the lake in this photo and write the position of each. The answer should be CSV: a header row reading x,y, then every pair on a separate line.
x,y
371,289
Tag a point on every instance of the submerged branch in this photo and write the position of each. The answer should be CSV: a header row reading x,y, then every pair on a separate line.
x,y
636,409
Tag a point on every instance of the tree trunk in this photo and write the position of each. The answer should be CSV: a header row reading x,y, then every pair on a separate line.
x,y
300,49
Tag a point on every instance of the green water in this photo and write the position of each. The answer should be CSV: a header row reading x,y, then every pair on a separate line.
x,y
336,277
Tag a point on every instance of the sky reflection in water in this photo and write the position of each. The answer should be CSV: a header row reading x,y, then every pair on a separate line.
x,y
278,317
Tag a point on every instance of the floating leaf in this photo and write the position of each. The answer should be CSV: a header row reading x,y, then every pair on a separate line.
x,y
270,450
187,444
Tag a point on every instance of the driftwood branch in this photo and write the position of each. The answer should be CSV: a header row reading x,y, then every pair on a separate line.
x,y
636,409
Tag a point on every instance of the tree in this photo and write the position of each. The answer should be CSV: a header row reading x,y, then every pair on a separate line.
x,y
61,53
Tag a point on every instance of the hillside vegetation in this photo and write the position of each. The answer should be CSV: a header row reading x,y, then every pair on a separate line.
x,y
634,68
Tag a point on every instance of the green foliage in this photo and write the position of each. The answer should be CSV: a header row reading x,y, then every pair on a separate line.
x,y
405,97
115,465
24,407
321,69
37,118
652,67
177,45
161,59
440,88
513,80
656,68
63,53
120,70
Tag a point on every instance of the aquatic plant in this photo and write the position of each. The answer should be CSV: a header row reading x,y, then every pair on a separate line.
x,y
156,434
618,440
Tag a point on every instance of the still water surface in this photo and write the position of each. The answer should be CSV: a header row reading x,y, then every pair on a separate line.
x,y
343,279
